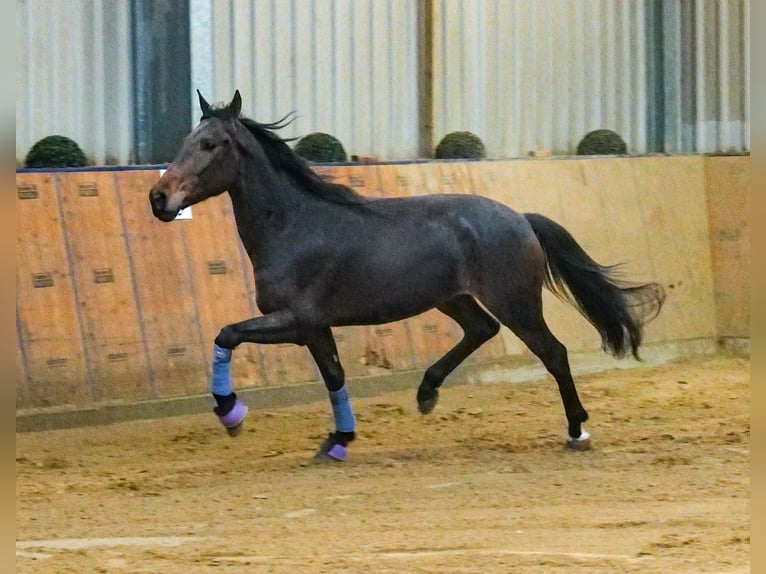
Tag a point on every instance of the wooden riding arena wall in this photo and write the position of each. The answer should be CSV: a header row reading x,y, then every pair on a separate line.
x,y
114,306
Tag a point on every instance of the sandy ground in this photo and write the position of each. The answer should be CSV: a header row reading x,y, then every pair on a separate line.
x,y
483,484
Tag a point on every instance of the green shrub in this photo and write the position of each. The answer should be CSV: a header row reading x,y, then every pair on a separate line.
x,y
55,151
320,147
460,145
602,142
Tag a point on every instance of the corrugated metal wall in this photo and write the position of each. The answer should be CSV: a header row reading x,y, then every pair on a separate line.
x,y
539,74
523,74
73,75
347,67
716,69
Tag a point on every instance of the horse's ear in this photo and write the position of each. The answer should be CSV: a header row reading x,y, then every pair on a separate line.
x,y
235,107
204,106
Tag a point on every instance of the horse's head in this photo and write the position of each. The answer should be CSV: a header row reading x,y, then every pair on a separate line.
x,y
206,165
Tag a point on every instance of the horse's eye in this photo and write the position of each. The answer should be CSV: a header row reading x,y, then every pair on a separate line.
x,y
207,145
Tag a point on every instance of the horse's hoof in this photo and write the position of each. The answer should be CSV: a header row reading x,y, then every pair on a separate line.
x,y
235,430
232,421
580,443
331,450
426,405
336,453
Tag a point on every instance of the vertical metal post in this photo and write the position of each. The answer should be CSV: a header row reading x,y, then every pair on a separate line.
x,y
655,95
700,103
161,77
724,79
671,77
425,77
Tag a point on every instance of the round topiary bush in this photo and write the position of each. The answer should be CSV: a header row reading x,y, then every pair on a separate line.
x,y
55,151
602,142
460,145
320,147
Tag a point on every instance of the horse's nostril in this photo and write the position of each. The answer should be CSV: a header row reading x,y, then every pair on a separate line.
x,y
157,199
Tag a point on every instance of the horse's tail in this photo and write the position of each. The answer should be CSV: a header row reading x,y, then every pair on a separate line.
x,y
616,308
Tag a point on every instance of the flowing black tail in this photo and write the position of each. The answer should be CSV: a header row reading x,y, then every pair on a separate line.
x,y
618,309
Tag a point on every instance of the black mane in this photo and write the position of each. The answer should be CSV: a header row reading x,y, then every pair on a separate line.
x,y
283,158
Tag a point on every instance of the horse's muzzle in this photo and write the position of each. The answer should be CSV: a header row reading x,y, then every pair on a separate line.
x,y
159,203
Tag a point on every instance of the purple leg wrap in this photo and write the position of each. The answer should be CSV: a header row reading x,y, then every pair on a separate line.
x,y
331,448
337,452
233,419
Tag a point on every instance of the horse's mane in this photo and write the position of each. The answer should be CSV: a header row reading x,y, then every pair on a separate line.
x,y
284,159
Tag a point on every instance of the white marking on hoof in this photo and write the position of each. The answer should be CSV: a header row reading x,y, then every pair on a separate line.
x,y
580,443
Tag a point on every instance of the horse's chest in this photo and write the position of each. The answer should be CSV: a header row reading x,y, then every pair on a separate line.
x,y
270,296
276,289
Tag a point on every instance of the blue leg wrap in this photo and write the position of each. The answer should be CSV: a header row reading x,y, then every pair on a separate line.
x,y
220,382
341,409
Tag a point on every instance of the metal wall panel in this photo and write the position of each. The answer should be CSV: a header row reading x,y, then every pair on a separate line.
x,y
73,76
523,74
347,67
718,66
530,75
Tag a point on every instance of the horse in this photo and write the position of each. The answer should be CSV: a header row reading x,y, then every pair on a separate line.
x,y
325,256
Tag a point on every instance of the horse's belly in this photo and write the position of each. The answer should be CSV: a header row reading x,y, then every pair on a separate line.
x,y
375,297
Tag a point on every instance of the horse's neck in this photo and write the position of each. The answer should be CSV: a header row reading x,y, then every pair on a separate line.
x,y
264,203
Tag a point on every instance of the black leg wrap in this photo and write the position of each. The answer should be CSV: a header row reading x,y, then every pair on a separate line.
x,y
342,438
337,437
224,403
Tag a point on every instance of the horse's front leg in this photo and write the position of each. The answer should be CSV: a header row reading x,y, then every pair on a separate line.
x,y
277,327
321,344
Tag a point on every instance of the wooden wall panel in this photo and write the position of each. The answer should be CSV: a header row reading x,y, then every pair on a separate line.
x,y
165,290
352,347
401,180
433,334
47,312
389,347
286,363
447,177
106,298
675,220
361,178
728,195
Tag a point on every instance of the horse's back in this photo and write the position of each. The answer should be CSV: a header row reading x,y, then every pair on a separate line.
x,y
479,235
484,215
487,221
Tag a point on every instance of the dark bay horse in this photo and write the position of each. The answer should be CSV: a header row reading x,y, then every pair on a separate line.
x,y
324,256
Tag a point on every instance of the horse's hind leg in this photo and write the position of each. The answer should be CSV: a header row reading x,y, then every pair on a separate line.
x,y
321,344
478,326
522,312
